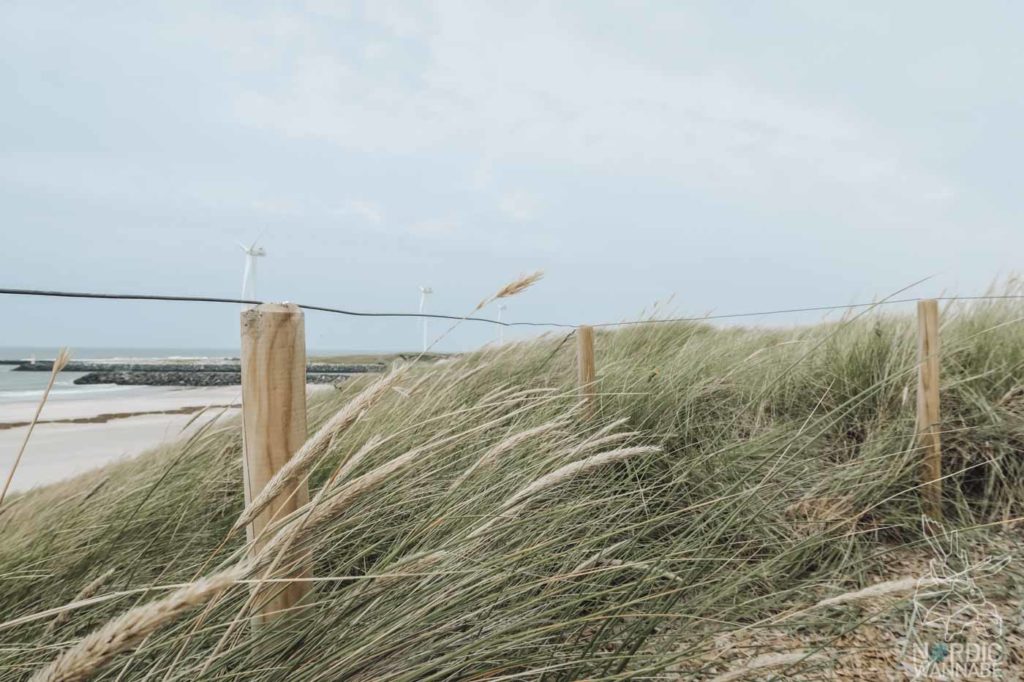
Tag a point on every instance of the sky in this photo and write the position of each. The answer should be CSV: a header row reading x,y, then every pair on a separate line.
x,y
722,156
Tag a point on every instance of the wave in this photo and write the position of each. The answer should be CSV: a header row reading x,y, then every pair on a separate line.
x,y
56,391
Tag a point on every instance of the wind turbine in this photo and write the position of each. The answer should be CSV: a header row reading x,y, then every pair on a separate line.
x,y
424,292
501,328
252,252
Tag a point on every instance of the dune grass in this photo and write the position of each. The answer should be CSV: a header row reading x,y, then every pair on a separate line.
x,y
474,524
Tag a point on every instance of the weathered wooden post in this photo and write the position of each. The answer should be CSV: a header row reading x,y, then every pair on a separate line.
x,y
928,415
585,363
274,427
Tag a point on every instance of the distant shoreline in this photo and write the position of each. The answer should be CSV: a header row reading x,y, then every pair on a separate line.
x,y
205,371
105,417
76,434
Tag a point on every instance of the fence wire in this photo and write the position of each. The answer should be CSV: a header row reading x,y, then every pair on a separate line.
x,y
486,320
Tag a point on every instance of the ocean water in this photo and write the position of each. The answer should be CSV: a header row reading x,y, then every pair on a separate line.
x,y
29,386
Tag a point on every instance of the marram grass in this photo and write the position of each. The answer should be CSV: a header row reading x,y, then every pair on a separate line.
x,y
469,522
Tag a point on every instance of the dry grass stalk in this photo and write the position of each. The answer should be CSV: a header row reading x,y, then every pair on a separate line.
x,y
419,560
326,508
599,436
352,462
514,505
317,445
596,557
513,288
504,446
644,566
520,285
285,533
570,470
745,544
91,588
601,442
885,589
510,289
322,508
412,564
767,661
129,629
63,355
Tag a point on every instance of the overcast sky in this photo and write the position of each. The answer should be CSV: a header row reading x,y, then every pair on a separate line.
x,y
739,155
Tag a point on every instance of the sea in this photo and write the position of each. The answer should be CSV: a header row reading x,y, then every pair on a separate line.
x,y
29,386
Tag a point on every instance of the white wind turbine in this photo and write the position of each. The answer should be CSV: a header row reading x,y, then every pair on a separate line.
x,y
252,252
501,328
424,292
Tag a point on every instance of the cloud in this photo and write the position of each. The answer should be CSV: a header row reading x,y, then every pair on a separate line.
x,y
435,228
519,206
367,210
526,88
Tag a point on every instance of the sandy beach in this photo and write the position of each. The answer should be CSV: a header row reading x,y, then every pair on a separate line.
x,y
80,433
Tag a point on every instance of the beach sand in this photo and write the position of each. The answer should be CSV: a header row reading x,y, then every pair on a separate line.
x,y
105,429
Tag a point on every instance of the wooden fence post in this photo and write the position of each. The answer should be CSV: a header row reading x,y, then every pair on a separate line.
x,y
273,427
928,415
585,362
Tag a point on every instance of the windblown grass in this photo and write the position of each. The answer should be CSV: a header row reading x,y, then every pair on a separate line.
x,y
471,523
58,364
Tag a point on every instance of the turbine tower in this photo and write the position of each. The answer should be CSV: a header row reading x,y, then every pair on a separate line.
x,y
424,292
252,252
501,328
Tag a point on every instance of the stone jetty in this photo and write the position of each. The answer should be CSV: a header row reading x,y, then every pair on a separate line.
x,y
184,372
